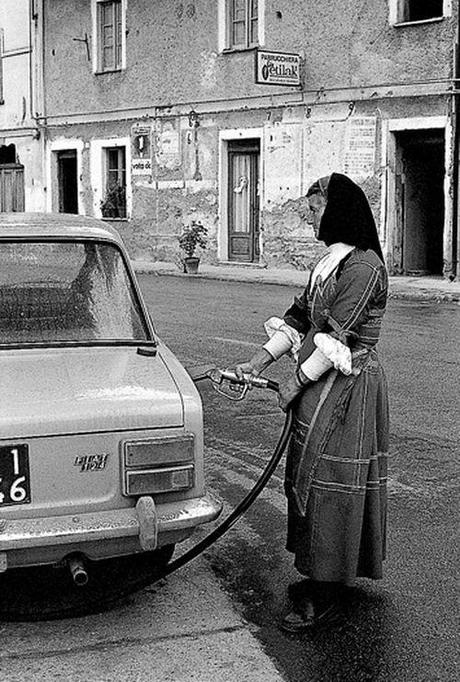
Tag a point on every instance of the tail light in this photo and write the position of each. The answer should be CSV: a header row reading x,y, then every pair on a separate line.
x,y
158,465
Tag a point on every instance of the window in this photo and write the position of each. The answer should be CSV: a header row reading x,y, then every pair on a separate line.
x,y
58,292
114,201
242,24
418,10
110,35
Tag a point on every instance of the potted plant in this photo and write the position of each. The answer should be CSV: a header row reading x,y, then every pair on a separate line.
x,y
114,203
192,237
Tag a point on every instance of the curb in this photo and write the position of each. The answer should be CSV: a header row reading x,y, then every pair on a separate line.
x,y
398,290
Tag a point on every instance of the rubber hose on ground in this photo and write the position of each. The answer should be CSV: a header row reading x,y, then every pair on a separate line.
x,y
245,503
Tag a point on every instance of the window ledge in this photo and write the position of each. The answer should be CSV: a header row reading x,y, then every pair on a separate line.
x,y
101,73
233,50
115,220
434,20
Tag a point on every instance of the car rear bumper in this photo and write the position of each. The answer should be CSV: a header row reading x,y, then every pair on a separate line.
x,y
143,527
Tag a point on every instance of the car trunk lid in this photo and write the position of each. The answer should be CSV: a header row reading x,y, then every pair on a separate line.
x,y
58,391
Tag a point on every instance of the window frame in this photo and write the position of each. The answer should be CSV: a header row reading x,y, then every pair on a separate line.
x,y
118,171
119,35
226,23
398,9
98,173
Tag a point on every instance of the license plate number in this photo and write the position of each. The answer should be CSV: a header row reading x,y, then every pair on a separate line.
x,y
14,475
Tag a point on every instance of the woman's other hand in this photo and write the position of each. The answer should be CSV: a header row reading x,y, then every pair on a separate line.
x,y
288,391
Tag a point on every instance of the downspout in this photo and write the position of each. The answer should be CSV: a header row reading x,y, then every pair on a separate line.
x,y
38,100
454,271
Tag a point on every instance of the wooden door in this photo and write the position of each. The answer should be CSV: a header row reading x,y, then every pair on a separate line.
x,y
399,213
243,200
11,187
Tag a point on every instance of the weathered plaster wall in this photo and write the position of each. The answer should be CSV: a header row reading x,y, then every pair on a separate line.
x,y
14,22
344,44
16,124
298,145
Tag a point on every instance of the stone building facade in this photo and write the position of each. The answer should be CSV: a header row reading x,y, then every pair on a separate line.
x,y
152,113
22,152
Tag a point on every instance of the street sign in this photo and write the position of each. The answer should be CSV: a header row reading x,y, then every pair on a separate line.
x,y
277,68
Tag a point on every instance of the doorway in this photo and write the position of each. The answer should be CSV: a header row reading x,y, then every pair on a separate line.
x,y
243,200
67,180
419,202
11,180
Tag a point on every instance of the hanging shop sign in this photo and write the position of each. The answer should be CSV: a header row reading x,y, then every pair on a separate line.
x,y
277,68
141,160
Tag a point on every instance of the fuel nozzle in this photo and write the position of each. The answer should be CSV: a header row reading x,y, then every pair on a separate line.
x,y
236,388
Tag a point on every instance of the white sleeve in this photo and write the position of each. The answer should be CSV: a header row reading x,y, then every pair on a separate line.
x,y
336,351
278,345
282,338
315,365
329,352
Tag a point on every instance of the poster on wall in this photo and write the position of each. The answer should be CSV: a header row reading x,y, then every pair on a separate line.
x,y
360,146
168,153
141,151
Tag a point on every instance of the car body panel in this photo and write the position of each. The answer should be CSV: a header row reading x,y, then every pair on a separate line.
x,y
68,390
66,402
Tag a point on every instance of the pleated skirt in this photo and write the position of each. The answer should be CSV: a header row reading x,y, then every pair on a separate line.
x,y
336,475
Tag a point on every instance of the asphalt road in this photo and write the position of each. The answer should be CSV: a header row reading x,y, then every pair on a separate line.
x,y
201,623
404,627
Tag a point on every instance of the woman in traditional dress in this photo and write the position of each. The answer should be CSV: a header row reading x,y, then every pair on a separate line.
x,y
336,464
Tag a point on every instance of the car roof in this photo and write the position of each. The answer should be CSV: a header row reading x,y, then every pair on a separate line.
x,y
57,225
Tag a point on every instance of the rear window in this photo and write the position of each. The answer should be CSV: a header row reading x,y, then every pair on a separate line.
x,y
53,292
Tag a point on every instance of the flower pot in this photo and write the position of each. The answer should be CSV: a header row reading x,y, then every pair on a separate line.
x,y
191,265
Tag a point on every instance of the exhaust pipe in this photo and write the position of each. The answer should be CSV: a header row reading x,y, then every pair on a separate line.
x,y
78,571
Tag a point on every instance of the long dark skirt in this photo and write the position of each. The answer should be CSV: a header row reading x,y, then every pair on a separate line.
x,y
336,472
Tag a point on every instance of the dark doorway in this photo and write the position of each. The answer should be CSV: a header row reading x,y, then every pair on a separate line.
x,y
7,154
420,202
68,181
243,200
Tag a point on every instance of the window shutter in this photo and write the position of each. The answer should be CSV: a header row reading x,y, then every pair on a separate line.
x,y
242,18
110,35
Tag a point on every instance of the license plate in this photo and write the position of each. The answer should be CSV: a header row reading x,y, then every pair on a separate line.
x,y
14,475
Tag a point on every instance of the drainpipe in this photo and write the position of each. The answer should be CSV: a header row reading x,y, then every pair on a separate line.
x,y
455,268
37,84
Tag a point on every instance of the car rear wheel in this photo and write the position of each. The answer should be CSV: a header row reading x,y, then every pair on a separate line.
x,y
48,592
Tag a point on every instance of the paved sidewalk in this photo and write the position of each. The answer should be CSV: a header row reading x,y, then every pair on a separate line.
x,y
412,288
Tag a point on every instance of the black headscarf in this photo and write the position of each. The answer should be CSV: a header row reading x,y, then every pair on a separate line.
x,y
347,217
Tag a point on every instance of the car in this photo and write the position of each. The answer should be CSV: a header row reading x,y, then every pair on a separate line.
x,y
101,427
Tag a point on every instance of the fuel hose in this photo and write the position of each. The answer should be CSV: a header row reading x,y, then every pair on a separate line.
x,y
40,599
245,503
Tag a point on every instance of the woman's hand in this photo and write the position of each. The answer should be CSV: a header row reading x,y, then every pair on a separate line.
x,y
259,361
245,368
289,390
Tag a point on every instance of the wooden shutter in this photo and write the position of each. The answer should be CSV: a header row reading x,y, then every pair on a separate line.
x,y
110,35
11,188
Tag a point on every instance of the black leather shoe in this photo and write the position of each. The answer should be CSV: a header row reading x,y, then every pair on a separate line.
x,y
297,622
300,621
